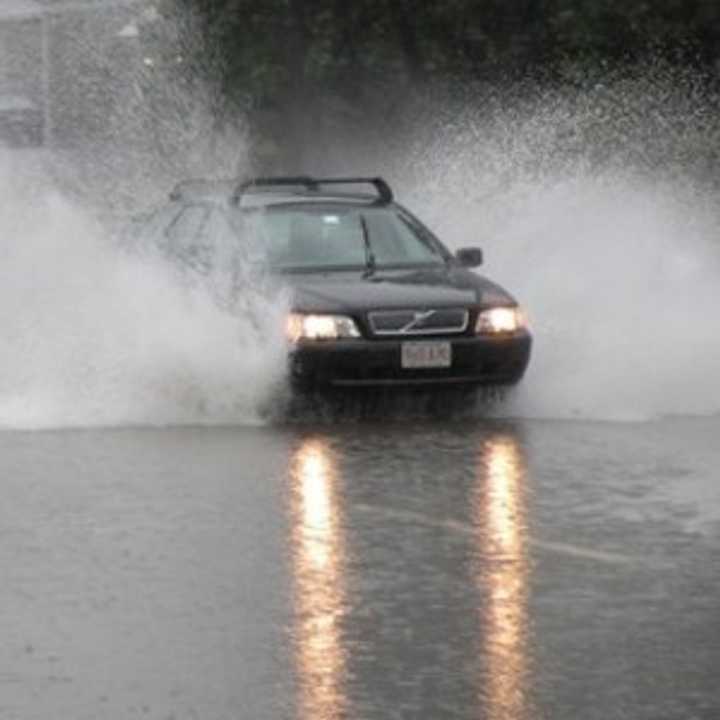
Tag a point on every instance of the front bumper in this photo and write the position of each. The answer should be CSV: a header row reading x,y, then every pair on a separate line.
x,y
476,361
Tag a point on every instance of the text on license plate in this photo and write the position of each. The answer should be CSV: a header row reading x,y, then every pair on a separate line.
x,y
426,354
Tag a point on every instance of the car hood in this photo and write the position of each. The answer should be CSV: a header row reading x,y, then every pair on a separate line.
x,y
349,292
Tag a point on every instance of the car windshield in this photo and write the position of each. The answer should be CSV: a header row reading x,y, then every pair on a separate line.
x,y
302,237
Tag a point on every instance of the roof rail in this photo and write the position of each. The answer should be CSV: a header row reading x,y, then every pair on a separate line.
x,y
201,186
385,194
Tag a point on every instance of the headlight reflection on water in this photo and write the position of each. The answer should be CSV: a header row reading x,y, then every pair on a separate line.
x,y
314,475
320,585
318,572
504,575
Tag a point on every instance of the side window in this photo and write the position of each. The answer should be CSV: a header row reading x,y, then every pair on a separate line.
x,y
188,237
261,236
419,231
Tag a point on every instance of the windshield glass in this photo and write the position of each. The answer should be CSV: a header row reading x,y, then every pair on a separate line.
x,y
303,237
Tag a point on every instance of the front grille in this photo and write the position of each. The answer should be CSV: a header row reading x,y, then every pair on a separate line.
x,y
445,321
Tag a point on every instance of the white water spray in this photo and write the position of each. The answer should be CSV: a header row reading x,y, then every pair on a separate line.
x,y
92,336
616,261
621,285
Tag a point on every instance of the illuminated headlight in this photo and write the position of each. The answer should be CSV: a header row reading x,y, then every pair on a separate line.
x,y
320,327
497,321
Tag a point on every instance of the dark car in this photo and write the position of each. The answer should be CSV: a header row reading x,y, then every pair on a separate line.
x,y
377,300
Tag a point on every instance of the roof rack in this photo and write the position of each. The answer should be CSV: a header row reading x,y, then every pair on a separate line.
x,y
385,194
194,187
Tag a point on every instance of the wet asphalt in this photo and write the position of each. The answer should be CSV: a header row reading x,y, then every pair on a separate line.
x,y
508,570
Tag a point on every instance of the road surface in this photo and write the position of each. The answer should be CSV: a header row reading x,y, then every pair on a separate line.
x,y
509,570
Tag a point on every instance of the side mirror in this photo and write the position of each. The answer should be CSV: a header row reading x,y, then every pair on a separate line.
x,y
469,257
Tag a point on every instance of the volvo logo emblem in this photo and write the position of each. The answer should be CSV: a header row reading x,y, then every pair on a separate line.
x,y
418,317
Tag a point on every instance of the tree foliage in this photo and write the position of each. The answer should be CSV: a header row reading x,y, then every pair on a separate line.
x,y
275,59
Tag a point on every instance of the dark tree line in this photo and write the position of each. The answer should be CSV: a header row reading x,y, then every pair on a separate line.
x,y
319,59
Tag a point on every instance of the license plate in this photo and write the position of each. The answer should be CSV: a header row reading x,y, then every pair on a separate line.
x,y
426,355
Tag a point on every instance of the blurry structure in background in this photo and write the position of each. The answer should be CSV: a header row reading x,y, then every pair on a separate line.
x,y
23,73
67,67
501,518
105,85
318,548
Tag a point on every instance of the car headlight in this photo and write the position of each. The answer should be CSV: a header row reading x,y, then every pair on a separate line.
x,y
500,320
320,327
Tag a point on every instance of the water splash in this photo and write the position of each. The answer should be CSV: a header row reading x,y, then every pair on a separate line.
x,y
93,336
598,209
621,283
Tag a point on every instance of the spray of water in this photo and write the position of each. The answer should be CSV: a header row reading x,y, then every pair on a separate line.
x,y
93,336
598,208
621,289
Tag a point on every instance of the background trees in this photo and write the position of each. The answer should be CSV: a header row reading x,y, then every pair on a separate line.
x,y
326,63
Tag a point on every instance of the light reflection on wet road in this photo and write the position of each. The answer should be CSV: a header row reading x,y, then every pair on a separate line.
x,y
501,570
319,574
501,520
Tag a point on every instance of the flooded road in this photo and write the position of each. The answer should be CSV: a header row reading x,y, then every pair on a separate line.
x,y
494,569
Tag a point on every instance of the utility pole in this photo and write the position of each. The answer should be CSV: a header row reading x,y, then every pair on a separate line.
x,y
46,90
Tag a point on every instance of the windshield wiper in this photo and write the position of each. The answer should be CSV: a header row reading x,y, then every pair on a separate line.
x,y
370,261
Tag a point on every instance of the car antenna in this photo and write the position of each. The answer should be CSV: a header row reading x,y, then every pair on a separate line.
x,y
370,261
